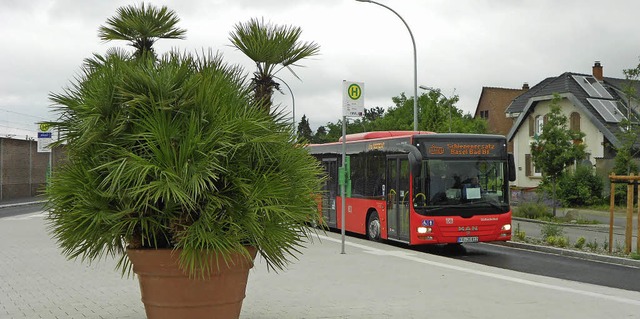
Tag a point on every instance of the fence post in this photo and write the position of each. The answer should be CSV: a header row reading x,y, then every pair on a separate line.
x,y
638,217
612,203
1,166
629,224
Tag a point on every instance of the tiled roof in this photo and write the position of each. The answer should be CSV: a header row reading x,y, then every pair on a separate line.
x,y
566,86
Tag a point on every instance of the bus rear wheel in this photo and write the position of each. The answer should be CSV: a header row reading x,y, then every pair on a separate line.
x,y
373,227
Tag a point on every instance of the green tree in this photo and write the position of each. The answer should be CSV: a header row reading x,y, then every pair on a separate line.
x,y
142,27
374,113
630,130
320,136
434,116
433,112
304,129
272,48
557,147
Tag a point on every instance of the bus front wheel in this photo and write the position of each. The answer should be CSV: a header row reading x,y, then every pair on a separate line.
x,y
373,227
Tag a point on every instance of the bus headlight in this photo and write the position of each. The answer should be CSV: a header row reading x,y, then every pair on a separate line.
x,y
506,227
424,230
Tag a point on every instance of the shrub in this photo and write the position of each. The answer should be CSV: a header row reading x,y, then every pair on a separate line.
x,y
580,242
551,229
519,234
580,188
562,241
593,246
532,210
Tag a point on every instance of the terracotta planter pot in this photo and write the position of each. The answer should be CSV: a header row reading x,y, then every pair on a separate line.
x,y
168,292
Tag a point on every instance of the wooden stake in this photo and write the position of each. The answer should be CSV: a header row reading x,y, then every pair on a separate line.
x,y
612,204
629,226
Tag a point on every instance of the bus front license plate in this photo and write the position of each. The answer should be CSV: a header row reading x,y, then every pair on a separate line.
x,y
468,239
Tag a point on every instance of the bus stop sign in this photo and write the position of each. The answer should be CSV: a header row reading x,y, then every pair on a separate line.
x,y
352,99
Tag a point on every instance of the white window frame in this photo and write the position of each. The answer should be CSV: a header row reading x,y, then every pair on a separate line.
x,y
539,123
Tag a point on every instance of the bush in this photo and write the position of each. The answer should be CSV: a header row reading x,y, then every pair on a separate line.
x,y
551,230
593,246
558,241
580,242
520,234
580,188
532,210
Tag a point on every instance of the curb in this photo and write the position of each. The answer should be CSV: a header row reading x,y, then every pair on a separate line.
x,y
595,226
573,253
22,204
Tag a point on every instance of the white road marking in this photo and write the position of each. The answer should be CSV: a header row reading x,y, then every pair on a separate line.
x,y
412,257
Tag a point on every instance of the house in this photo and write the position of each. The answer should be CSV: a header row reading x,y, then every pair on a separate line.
x,y
492,106
593,104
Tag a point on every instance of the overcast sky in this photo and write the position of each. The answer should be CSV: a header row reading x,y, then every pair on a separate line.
x,y
462,45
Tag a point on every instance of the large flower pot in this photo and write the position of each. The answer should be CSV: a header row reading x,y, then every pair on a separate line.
x,y
168,292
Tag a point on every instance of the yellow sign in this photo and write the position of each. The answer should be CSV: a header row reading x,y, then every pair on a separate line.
x,y
352,99
44,127
354,91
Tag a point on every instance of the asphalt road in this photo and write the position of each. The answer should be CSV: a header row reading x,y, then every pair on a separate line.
x,y
545,264
20,210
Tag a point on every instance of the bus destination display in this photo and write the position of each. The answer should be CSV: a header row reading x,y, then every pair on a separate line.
x,y
435,149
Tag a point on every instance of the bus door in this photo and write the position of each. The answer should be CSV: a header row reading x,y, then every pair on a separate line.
x,y
398,197
330,191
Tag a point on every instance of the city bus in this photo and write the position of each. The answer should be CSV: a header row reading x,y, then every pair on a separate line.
x,y
419,187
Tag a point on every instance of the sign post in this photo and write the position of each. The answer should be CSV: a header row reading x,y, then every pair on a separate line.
x,y
45,138
352,106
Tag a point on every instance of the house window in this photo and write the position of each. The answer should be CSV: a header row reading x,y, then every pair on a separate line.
x,y
539,123
484,114
530,169
574,122
536,171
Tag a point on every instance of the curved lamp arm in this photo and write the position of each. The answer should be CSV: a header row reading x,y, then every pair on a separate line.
x,y
415,64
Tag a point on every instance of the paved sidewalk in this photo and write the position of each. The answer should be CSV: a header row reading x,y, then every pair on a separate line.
x,y
372,280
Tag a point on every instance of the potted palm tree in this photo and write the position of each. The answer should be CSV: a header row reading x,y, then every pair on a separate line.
x,y
174,170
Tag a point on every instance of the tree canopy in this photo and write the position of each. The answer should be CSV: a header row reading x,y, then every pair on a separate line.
x,y
437,113
272,47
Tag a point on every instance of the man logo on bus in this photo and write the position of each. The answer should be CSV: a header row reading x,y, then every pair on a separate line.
x,y
354,91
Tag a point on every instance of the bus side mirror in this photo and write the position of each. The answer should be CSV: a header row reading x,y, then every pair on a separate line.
x,y
512,167
415,158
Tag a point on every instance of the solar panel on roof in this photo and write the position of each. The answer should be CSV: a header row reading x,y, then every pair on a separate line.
x,y
590,85
607,109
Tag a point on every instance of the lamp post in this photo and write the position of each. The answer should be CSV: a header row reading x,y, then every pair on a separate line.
x,y
428,88
415,65
293,100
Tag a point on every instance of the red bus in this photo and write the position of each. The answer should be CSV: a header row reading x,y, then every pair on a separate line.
x,y
420,187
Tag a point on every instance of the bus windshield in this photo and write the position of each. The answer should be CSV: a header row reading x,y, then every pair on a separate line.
x,y
455,186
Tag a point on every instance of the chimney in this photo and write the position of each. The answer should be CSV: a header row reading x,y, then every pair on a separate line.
x,y
525,86
597,71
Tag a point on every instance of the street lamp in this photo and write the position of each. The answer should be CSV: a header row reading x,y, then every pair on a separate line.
x,y
293,100
415,65
428,88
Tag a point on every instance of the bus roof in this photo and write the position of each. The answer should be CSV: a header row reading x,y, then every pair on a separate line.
x,y
381,134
